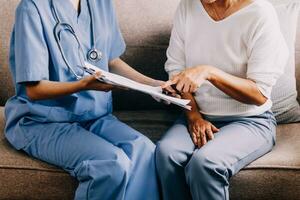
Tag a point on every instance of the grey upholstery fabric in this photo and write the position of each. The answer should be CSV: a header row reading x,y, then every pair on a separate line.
x,y
274,176
6,20
265,184
25,178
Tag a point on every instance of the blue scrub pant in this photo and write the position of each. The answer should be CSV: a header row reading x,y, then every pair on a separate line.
x,y
203,174
110,160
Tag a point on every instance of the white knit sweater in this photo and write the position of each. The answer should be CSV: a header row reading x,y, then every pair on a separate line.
x,y
248,44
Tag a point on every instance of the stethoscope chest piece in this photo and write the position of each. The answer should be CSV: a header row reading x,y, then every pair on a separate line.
x,y
94,55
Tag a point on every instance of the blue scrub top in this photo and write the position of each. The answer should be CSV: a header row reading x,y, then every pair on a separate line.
x,y
35,56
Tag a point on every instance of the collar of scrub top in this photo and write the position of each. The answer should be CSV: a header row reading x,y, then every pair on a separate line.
x,y
93,54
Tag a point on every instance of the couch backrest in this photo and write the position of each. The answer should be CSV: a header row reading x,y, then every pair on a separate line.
x,y
7,10
297,57
146,26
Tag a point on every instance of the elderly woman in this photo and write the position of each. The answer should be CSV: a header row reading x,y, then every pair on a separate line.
x,y
225,56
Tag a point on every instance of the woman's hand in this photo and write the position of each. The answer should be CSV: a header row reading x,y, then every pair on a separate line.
x,y
167,90
201,131
92,83
189,80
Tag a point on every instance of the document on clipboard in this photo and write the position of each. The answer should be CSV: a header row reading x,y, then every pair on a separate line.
x,y
115,79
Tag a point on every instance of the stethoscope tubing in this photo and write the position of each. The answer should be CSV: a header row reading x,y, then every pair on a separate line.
x,y
56,33
92,24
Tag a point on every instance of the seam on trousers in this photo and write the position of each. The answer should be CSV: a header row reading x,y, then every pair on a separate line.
x,y
272,128
258,149
239,168
250,154
247,156
90,182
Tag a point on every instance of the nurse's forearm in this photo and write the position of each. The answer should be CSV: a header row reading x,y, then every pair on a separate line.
x,y
49,90
118,66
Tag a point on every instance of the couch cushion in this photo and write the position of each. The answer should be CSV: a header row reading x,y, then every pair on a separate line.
x,y
262,184
25,178
275,173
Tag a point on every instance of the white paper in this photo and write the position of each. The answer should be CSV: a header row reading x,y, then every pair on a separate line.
x,y
125,82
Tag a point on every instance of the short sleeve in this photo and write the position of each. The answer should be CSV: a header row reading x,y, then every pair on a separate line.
x,y
176,51
30,48
268,54
117,41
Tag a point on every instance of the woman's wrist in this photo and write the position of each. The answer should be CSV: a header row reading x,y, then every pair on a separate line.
x,y
193,115
212,74
208,70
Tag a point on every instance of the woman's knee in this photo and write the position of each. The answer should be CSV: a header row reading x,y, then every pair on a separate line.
x,y
167,154
206,166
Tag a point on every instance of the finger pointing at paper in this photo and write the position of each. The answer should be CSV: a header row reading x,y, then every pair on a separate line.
x,y
189,80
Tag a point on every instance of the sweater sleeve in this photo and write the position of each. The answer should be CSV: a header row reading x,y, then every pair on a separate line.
x,y
268,53
176,52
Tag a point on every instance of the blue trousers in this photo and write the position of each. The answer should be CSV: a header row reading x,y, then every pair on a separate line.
x,y
110,160
187,172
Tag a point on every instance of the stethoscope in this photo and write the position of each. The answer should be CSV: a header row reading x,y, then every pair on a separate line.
x,y
94,55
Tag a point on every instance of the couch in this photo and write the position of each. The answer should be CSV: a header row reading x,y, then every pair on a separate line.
x,y
146,27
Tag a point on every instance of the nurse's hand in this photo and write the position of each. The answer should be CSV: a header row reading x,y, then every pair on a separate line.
x,y
189,80
201,131
92,83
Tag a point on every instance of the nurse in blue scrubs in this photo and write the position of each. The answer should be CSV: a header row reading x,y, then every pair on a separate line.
x,y
62,115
